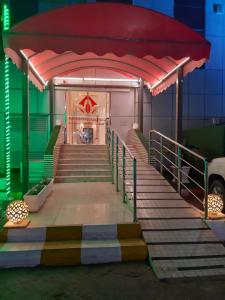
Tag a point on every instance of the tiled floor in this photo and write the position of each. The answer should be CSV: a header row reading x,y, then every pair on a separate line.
x,y
82,203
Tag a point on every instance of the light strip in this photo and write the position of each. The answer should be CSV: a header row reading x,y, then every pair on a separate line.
x,y
6,25
96,79
171,72
33,68
6,18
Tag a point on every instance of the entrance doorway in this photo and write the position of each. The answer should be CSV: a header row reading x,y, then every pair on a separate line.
x,y
88,135
87,112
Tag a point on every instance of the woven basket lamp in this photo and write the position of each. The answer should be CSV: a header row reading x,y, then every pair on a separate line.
x,y
215,203
17,211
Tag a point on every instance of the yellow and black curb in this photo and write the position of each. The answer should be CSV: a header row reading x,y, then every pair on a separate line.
x,y
72,245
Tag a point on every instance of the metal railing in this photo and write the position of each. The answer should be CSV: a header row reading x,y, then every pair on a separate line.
x,y
189,169
124,166
52,152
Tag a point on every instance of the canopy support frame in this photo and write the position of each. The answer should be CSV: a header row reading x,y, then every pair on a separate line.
x,y
179,106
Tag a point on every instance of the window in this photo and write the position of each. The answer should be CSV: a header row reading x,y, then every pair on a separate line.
x,y
218,8
191,13
117,1
22,9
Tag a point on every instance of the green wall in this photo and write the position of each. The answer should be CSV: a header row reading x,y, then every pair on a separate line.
x,y
39,119
210,141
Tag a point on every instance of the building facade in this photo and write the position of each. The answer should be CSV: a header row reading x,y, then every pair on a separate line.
x,y
203,89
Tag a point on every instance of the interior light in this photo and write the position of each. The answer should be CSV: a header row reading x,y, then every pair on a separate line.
x,y
96,79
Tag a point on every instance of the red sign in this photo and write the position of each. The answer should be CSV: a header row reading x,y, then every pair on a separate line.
x,y
87,105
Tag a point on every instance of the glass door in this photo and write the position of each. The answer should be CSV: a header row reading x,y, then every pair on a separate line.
x,y
88,135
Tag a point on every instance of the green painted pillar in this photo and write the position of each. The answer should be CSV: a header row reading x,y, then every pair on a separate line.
x,y
51,104
26,129
140,104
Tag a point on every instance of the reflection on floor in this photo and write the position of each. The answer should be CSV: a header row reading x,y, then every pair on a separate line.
x,y
82,203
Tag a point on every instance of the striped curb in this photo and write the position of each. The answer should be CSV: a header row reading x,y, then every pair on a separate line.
x,y
73,232
71,245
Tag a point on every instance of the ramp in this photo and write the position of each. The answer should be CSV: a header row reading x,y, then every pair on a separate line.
x,y
180,244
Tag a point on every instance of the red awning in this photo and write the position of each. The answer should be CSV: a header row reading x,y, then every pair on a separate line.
x,y
121,37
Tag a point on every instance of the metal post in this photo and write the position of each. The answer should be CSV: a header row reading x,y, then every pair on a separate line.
x,y
178,169
108,136
161,156
112,154
117,162
206,187
51,104
140,105
123,170
26,129
135,188
179,100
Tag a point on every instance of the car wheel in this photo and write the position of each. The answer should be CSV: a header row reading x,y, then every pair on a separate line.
x,y
218,187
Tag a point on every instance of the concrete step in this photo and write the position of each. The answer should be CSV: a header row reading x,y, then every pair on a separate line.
x,y
72,245
72,252
84,146
81,172
83,155
83,166
83,161
87,178
89,151
71,232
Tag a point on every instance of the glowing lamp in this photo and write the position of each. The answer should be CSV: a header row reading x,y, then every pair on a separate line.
x,y
215,203
17,211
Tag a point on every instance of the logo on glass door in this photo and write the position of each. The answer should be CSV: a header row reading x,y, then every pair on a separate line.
x,y
88,105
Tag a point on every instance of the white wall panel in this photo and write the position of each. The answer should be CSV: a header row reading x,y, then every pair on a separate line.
x,y
122,109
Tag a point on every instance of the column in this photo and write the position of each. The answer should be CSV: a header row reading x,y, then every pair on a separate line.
x,y
26,129
179,107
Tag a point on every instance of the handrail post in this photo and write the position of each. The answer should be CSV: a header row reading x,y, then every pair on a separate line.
x,y
117,162
112,154
178,169
135,188
161,156
206,187
123,170
107,136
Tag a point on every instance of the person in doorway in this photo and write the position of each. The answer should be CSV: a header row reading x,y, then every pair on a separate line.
x,y
85,137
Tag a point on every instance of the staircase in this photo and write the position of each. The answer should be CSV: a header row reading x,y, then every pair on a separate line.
x,y
71,245
83,163
134,143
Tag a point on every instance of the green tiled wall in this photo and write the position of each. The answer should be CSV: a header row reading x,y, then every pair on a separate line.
x,y
39,119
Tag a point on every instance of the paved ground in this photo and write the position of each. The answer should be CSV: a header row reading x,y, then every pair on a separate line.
x,y
115,281
82,203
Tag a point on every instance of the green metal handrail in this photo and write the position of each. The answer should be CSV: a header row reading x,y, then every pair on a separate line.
x,y
120,155
52,141
172,160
